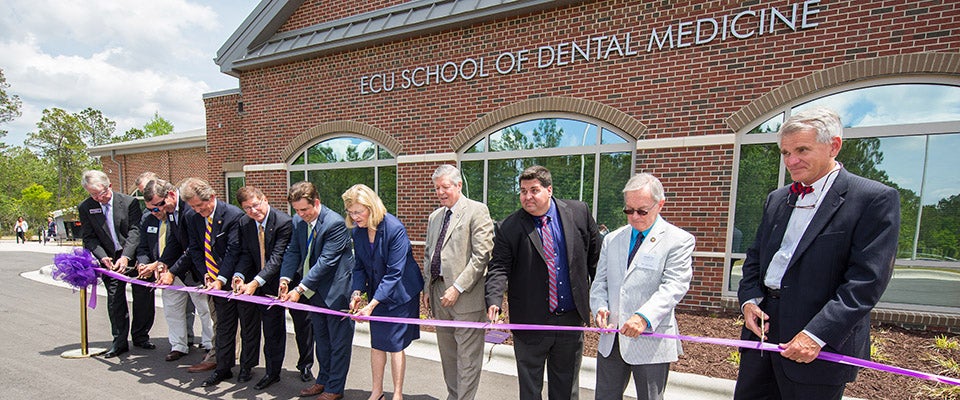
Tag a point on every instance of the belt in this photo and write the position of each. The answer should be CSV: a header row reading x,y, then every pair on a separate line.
x,y
773,293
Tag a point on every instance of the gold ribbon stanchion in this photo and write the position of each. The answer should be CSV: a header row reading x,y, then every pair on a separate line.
x,y
83,351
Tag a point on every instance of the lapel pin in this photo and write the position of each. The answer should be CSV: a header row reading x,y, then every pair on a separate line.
x,y
653,240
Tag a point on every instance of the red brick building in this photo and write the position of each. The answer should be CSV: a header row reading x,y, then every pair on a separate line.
x,y
381,92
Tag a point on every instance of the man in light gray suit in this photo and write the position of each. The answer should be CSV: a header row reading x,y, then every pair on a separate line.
x,y
459,242
643,272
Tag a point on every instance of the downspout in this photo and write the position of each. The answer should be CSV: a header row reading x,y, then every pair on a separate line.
x,y
113,154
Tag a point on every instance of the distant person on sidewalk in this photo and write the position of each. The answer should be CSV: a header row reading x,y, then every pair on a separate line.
x,y
21,229
643,273
822,257
51,233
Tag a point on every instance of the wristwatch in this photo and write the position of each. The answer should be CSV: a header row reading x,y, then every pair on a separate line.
x,y
298,289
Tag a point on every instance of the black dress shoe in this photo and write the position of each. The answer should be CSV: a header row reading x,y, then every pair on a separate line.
x,y
267,381
217,377
115,351
145,345
245,375
306,375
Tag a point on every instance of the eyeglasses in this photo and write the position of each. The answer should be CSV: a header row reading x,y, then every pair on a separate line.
x,y
253,206
640,211
356,213
793,197
102,193
156,208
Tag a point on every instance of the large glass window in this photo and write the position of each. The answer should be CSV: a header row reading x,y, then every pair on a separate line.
x,y
589,162
335,164
902,135
235,181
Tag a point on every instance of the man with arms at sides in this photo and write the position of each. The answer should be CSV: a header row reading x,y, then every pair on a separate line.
x,y
546,253
321,251
213,232
162,195
644,270
111,231
264,236
822,257
459,242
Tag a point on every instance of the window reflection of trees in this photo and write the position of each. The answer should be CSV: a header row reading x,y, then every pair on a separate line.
x,y
333,165
576,175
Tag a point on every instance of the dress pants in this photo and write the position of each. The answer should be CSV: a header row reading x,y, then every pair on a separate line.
x,y
274,337
762,376
562,351
461,349
229,311
304,335
613,375
334,338
175,311
117,310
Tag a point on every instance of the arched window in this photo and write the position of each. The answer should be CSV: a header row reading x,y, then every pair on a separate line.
x,y
333,164
589,160
898,132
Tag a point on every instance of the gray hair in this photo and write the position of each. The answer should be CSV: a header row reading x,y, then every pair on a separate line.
x,y
145,178
646,181
448,171
196,187
94,179
157,188
824,121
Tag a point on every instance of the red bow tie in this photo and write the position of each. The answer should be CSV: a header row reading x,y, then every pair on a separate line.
x,y
800,189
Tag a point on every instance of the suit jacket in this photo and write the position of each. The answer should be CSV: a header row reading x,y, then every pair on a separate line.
x,y
126,222
387,272
224,241
654,282
465,252
178,240
276,237
149,251
518,261
331,260
841,267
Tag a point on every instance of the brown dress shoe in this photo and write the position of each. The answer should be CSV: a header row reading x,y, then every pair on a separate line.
x,y
203,366
312,390
330,396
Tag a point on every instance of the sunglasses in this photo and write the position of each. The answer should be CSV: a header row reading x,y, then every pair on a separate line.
x,y
641,212
156,208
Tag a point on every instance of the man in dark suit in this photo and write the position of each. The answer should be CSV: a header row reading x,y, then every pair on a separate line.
x,y
547,254
111,231
822,257
264,236
320,250
162,195
213,232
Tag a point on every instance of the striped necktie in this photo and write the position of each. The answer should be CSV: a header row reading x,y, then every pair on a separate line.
x,y
211,263
550,257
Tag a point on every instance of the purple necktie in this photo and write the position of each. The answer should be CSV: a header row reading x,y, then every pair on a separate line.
x,y
550,257
435,261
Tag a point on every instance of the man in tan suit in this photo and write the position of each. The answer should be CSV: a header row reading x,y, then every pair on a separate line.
x,y
643,272
459,242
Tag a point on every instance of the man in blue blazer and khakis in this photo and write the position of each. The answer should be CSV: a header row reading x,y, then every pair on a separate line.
x,y
643,273
822,257
320,249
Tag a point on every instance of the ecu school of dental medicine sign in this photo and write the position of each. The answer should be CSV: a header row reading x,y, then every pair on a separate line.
x,y
742,25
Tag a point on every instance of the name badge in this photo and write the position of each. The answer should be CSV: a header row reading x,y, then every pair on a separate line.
x,y
649,261
151,229
96,211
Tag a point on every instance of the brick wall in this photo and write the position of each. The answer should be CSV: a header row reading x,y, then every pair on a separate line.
x,y
674,92
174,165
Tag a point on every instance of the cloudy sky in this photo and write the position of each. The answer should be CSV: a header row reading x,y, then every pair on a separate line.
x,y
126,58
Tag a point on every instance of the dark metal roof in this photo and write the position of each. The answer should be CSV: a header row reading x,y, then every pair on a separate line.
x,y
256,44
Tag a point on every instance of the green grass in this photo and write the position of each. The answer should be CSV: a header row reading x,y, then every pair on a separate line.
x,y
734,358
944,343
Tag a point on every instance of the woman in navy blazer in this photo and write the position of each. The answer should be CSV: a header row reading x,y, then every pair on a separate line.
x,y
387,272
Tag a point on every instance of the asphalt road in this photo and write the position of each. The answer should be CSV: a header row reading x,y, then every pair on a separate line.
x,y
40,321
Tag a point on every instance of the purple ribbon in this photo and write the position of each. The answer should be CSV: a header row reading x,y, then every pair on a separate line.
x,y
746,344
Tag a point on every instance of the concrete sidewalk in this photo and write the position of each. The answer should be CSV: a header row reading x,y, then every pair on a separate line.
x,y
497,359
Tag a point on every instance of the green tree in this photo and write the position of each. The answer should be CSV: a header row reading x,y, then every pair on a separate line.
x,y
157,126
130,134
59,140
95,129
35,203
9,106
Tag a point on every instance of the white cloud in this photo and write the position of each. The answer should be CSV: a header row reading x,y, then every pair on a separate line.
x,y
126,58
